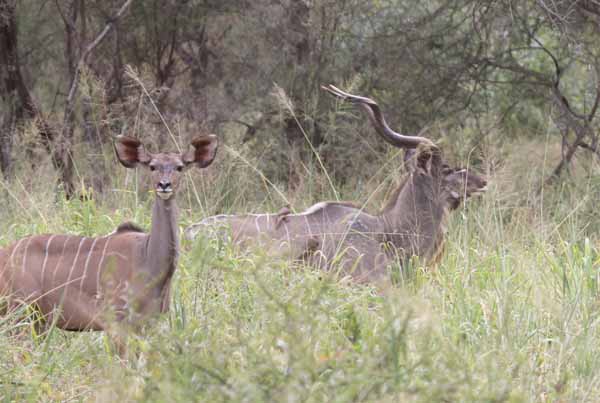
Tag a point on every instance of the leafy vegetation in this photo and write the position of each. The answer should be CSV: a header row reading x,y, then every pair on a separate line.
x,y
507,88
510,313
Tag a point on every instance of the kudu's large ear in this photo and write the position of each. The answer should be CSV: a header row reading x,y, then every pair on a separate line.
x,y
130,151
202,151
426,159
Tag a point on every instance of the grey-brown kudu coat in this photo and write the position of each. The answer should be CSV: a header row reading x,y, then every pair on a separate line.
x,y
90,283
338,235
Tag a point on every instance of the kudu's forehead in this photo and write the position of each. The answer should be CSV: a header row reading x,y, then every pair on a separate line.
x,y
167,159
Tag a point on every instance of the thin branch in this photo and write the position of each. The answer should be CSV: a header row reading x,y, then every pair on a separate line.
x,y
557,68
592,7
68,22
83,58
592,113
63,153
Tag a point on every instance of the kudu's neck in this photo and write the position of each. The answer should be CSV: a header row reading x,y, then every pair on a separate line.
x,y
163,242
412,221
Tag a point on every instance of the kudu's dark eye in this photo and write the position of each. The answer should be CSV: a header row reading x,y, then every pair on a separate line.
x,y
179,168
152,168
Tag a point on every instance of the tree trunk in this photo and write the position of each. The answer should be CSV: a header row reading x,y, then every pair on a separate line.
x,y
15,93
10,83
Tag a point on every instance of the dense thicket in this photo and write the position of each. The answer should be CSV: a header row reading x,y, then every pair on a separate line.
x,y
71,75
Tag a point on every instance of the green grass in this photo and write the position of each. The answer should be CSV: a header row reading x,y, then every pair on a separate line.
x,y
510,314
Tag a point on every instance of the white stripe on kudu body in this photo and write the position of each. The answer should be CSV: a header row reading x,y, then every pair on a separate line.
x,y
67,280
14,251
100,267
46,252
87,263
60,259
25,254
256,219
75,259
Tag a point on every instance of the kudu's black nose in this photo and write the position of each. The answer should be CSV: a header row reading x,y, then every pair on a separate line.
x,y
164,185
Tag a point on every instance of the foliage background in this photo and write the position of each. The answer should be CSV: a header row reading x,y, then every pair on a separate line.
x,y
509,88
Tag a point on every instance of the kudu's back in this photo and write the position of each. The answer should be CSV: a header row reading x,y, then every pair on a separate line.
x,y
281,234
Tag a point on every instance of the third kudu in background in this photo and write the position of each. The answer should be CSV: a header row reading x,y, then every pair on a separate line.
x,y
88,283
342,235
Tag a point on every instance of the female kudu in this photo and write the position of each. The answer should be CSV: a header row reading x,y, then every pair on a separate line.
x,y
88,283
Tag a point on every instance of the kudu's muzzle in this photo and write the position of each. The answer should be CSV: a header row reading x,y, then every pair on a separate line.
x,y
164,190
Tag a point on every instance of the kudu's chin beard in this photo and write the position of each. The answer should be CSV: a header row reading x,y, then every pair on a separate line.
x,y
164,195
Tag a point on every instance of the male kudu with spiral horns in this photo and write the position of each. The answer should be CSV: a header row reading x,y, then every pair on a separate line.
x,y
342,235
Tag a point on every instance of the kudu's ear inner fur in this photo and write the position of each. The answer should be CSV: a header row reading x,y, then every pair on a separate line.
x,y
428,158
202,151
130,151
424,160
